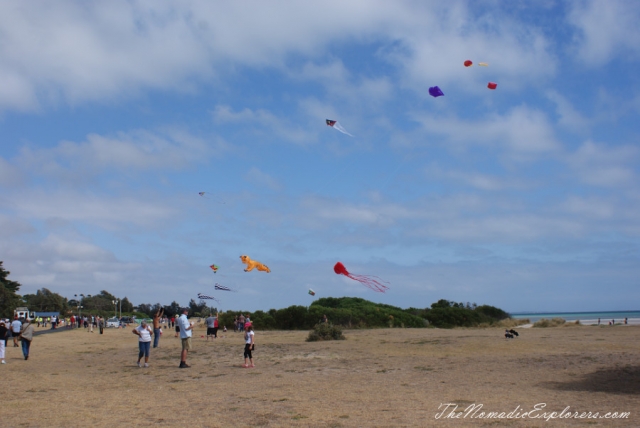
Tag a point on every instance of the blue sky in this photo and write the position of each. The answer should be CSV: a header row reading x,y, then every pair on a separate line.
x,y
114,115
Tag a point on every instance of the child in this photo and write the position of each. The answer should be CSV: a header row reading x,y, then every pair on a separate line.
x,y
248,346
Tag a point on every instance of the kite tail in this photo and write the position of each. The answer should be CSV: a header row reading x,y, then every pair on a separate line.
x,y
370,282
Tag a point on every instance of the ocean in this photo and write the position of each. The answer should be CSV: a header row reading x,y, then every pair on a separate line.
x,y
584,317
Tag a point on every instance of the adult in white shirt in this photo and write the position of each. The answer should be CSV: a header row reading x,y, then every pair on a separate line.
x,y
144,332
185,336
16,327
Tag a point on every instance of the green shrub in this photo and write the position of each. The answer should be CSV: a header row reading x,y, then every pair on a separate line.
x,y
325,331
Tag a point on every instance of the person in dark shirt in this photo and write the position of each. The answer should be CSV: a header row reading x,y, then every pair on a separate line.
x,y
4,333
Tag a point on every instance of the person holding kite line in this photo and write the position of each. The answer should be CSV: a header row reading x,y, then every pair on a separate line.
x,y
156,326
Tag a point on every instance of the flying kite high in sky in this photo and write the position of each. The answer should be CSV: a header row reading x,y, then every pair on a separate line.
x,y
368,281
435,92
492,85
214,268
222,288
209,195
468,63
483,64
313,293
251,264
336,125
205,297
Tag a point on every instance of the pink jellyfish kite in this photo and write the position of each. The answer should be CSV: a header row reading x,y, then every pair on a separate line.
x,y
369,281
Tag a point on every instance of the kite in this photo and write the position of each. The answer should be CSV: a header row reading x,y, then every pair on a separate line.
x,y
251,264
313,293
492,85
468,63
434,91
336,125
222,287
209,195
368,281
205,297
483,64
214,268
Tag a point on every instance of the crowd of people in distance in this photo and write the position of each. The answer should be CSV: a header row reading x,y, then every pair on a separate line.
x,y
22,330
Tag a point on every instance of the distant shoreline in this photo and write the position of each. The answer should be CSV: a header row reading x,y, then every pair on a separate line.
x,y
584,317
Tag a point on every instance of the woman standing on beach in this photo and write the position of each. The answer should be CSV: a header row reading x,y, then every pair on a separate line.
x,y
144,332
26,335
248,345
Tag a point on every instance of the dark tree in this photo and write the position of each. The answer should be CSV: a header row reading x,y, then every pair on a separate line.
x,y
9,298
46,301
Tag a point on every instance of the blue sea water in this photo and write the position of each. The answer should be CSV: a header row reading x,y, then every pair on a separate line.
x,y
605,317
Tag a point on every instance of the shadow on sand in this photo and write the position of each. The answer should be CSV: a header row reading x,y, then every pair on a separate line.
x,y
619,380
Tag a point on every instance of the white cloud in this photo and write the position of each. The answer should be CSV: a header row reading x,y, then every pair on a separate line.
x,y
568,116
600,165
477,180
605,28
522,130
9,174
274,125
132,151
91,208
76,52
255,176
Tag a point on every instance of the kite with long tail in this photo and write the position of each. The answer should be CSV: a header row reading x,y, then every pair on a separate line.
x,y
222,288
336,125
205,297
368,281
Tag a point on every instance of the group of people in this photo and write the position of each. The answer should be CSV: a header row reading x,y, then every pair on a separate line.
x,y
22,330
184,328
145,332
239,322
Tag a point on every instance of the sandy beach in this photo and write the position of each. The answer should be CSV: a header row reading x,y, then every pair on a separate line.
x,y
382,377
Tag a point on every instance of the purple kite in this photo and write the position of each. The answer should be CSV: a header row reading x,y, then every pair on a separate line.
x,y
435,92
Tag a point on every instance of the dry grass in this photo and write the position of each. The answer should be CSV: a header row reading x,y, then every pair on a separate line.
x,y
382,377
555,322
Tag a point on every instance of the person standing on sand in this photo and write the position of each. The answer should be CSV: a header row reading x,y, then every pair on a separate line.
x,y
143,331
241,322
16,326
26,334
211,323
248,346
101,324
185,334
4,331
156,327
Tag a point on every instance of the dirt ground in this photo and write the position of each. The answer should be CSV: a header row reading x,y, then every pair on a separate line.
x,y
374,378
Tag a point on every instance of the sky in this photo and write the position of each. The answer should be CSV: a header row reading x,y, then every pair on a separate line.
x,y
115,115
